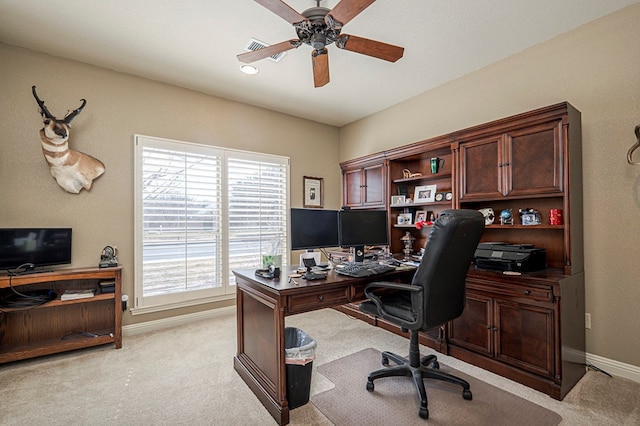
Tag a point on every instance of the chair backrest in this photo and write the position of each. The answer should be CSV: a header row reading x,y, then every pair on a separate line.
x,y
443,270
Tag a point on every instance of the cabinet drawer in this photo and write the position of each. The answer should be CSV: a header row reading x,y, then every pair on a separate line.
x,y
542,294
318,299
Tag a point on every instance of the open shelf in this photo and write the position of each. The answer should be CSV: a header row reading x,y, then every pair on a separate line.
x,y
60,326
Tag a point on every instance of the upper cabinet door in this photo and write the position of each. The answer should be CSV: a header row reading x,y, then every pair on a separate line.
x,y
374,184
534,155
352,180
518,163
482,168
365,186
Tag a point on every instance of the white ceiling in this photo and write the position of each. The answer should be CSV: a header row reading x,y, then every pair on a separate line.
x,y
193,44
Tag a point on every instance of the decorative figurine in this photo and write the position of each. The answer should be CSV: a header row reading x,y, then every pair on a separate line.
x,y
488,214
408,240
506,217
530,216
407,174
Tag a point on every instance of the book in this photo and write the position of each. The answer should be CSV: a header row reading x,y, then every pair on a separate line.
x,y
107,286
73,294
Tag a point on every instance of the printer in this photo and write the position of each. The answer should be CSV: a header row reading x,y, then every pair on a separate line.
x,y
510,257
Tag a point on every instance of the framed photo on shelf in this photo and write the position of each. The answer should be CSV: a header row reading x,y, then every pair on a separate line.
x,y
404,219
313,189
425,194
397,199
421,215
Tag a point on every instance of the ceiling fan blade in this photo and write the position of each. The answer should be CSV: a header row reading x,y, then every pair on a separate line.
x,y
377,49
346,10
283,10
320,59
274,49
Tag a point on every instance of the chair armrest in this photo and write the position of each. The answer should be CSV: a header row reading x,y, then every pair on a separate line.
x,y
370,294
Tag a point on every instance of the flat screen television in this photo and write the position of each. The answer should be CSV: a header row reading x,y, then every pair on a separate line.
x,y
33,248
359,228
313,228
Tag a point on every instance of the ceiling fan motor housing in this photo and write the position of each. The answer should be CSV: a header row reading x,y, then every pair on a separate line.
x,y
315,31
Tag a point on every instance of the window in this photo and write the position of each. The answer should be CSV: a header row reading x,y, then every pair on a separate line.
x,y
201,212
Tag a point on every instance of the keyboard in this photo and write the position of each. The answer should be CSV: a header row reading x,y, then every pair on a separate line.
x,y
358,270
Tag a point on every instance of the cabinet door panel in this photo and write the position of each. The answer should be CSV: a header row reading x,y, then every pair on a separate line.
x,y
482,171
535,160
524,337
353,187
472,329
374,185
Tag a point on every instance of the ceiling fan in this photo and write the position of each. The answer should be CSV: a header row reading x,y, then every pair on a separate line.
x,y
319,27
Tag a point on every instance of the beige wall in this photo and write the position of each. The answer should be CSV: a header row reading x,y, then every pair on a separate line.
x,y
119,106
597,69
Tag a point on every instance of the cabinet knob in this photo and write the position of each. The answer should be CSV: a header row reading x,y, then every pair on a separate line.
x,y
488,327
527,292
321,298
495,328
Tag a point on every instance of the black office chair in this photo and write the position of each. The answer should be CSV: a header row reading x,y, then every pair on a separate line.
x,y
435,296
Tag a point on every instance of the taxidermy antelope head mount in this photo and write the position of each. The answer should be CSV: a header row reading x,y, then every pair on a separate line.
x,y
72,170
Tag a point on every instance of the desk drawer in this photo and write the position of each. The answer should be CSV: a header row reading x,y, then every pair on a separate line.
x,y
320,298
542,293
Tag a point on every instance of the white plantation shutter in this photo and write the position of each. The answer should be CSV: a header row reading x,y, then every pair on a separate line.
x,y
202,211
257,190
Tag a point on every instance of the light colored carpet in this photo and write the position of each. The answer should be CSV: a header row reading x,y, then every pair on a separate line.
x,y
184,376
395,400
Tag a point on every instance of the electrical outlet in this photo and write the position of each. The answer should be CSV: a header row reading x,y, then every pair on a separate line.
x,y
587,321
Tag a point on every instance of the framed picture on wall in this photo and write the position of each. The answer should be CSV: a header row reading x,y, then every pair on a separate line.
x,y
313,188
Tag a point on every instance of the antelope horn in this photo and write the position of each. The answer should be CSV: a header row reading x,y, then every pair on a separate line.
x,y
72,115
43,109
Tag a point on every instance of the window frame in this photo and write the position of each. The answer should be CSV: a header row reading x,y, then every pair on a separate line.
x,y
156,303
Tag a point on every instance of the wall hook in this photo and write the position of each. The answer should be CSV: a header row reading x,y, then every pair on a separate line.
x,y
634,147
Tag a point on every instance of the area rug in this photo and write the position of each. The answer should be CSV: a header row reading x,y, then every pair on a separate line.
x,y
395,400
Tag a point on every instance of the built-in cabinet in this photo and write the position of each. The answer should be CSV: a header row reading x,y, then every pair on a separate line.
x,y
528,327
364,183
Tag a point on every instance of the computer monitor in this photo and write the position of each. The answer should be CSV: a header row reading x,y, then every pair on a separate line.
x,y
359,228
313,228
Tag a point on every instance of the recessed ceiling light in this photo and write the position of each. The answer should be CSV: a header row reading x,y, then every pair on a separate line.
x,y
249,69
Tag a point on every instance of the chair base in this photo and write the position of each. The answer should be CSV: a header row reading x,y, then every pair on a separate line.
x,y
418,368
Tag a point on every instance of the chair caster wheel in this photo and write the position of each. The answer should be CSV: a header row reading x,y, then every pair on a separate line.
x,y
385,361
466,394
424,413
370,386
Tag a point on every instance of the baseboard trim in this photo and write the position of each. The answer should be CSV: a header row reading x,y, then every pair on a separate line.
x,y
147,326
611,366
615,368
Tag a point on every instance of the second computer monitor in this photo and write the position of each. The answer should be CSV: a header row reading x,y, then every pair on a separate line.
x,y
359,228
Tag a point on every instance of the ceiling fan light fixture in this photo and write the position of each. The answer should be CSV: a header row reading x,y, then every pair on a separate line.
x,y
249,69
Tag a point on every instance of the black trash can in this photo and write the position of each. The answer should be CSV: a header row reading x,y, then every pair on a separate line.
x,y
300,351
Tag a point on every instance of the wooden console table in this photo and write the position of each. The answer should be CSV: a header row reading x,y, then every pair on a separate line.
x,y
262,305
59,326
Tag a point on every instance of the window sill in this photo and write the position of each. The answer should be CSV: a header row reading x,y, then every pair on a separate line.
x,y
166,307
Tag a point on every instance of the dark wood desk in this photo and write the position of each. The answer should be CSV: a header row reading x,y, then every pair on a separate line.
x,y
261,307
